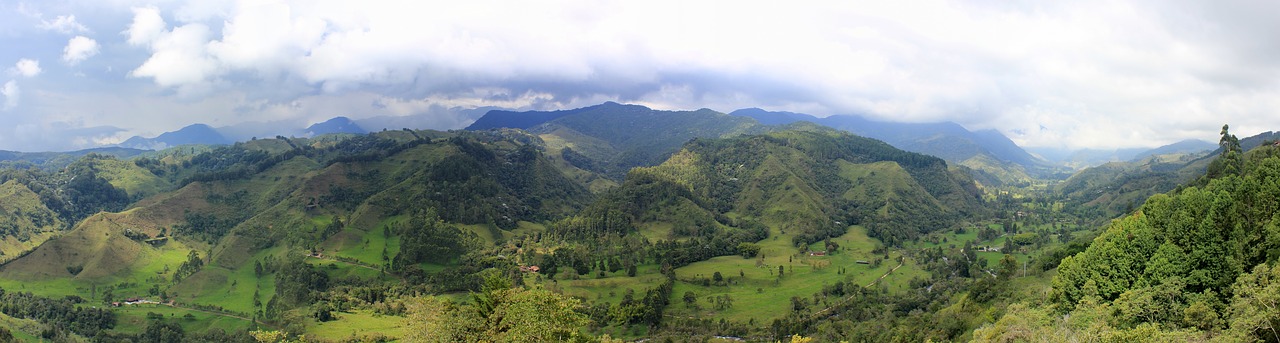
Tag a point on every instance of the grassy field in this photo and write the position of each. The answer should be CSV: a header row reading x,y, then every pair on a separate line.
x,y
757,291
133,319
357,324
232,289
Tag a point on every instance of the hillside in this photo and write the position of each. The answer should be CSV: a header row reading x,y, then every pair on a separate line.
x,y
612,138
1193,264
236,207
808,185
191,134
988,152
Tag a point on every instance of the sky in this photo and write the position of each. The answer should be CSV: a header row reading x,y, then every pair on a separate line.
x,y
1064,75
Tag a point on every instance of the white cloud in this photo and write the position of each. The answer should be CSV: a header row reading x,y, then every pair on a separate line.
x,y
78,49
65,24
26,68
11,94
1093,74
146,27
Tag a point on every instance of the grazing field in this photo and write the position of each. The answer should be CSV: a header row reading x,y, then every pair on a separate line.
x,y
135,318
758,293
357,324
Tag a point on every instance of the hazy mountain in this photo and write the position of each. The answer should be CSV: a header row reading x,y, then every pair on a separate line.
x,y
57,160
435,118
987,151
192,134
773,117
335,125
612,138
1181,147
520,120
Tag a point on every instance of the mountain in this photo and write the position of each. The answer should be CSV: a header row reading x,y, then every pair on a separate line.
x,y
435,118
1187,146
612,138
987,152
520,120
1084,158
238,206
192,134
1115,187
773,117
335,125
58,160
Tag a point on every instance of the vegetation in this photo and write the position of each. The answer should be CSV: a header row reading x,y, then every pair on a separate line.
x,y
798,233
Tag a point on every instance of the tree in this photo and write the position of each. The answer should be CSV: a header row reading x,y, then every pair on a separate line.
x,y
161,331
690,299
718,278
523,315
1008,267
1255,308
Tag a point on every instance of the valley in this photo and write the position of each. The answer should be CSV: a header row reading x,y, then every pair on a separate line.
x,y
623,222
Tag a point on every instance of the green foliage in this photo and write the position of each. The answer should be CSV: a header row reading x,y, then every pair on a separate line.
x,y
518,315
59,314
425,238
297,282
1172,262
188,267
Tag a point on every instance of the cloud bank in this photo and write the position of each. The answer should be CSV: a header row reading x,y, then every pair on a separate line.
x,y
1097,74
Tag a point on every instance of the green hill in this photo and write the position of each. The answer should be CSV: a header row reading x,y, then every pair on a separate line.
x,y
614,138
25,222
1117,187
268,201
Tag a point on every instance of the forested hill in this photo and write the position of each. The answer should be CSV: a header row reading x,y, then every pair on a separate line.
x,y
612,138
987,152
1195,264
190,226
809,183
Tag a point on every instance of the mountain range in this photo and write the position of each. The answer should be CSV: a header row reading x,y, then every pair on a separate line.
x,y
754,224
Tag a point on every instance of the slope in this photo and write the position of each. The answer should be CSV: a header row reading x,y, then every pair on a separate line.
x,y
612,138
986,151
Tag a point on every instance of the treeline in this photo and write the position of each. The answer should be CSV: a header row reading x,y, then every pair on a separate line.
x,y
59,314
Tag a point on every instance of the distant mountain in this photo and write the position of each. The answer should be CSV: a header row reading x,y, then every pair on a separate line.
x,y
192,134
1084,158
520,120
612,138
987,151
335,125
1181,147
772,117
1115,186
435,118
58,160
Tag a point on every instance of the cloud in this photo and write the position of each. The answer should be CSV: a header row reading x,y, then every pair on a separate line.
x,y
146,27
11,94
1094,74
78,49
26,68
65,24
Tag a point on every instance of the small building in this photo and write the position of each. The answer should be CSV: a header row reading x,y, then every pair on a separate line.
x,y
862,262
818,253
